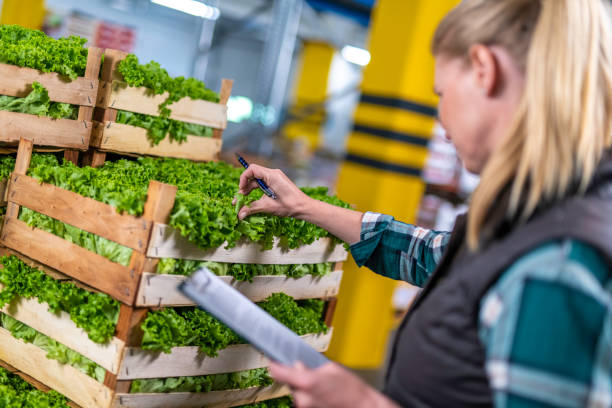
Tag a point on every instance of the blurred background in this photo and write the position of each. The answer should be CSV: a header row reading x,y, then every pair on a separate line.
x,y
334,92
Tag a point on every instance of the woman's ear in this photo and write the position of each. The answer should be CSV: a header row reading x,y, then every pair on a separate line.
x,y
485,70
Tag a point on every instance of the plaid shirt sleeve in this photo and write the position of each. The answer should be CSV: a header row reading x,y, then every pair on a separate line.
x,y
397,250
547,329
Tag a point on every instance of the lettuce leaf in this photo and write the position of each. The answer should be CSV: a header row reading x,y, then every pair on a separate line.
x,y
38,103
153,77
203,211
102,246
54,349
189,326
159,128
16,392
34,49
258,377
241,272
95,313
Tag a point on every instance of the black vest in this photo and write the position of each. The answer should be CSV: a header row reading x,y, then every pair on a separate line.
x,y
438,359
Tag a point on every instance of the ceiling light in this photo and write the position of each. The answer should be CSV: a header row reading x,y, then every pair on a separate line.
x,y
356,55
193,7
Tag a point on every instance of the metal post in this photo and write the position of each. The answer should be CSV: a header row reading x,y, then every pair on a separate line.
x,y
276,67
207,29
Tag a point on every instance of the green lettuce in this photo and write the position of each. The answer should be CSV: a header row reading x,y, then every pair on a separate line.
x,y
95,313
17,393
7,165
38,103
241,272
54,349
258,377
102,246
158,128
153,77
189,326
203,210
34,49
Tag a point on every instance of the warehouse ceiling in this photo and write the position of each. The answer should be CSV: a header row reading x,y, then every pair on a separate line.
x,y
358,10
337,22
330,20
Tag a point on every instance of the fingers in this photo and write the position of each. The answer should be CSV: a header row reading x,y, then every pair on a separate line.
x,y
303,400
249,186
265,204
297,377
247,182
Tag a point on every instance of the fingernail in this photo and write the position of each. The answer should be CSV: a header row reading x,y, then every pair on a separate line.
x,y
241,215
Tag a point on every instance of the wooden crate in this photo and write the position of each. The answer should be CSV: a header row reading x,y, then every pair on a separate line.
x,y
89,393
65,133
148,236
114,95
138,288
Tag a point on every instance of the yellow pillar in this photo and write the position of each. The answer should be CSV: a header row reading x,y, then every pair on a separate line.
x,y
308,113
26,13
386,152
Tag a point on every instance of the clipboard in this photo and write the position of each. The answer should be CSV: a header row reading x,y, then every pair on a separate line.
x,y
249,321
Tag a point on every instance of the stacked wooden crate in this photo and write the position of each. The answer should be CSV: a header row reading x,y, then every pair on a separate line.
x,y
114,95
61,133
138,286
139,289
69,135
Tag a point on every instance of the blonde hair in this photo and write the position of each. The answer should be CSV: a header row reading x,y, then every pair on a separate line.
x,y
564,122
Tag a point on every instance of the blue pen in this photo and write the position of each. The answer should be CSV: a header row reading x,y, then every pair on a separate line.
x,y
262,185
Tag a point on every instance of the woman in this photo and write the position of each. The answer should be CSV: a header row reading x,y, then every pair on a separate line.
x,y
518,312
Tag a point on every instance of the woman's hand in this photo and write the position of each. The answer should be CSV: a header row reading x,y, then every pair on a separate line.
x,y
290,200
329,386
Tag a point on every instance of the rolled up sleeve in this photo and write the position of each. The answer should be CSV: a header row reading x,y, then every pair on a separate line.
x,y
397,250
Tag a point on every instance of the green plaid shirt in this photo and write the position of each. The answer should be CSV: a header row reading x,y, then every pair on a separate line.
x,y
546,324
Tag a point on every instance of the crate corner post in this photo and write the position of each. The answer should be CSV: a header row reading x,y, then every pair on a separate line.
x,y
158,206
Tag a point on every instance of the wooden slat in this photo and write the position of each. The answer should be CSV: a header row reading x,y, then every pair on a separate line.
x,y
141,100
79,263
188,361
161,290
82,212
13,149
92,70
224,95
3,185
31,380
60,327
54,273
44,131
22,163
72,156
112,58
17,81
166,242
158,207
226,91
330,310
120,138
93,157
8,367
213,399
159,204
63,378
